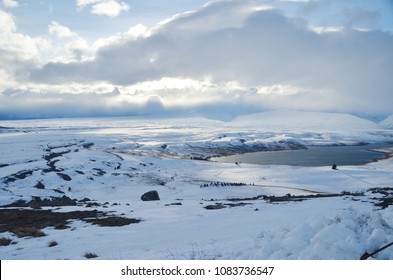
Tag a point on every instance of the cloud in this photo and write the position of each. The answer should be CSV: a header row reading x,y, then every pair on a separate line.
x,y
230,57
135,32
10,3
111,8
7,22
60,31
19,53
84,3
22,105
358,17
215,15
68,46
360,14
17,46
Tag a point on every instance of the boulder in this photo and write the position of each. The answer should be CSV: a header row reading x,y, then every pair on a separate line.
x,y
150,196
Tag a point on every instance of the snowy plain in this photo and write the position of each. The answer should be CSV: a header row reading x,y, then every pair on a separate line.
x,y
207,210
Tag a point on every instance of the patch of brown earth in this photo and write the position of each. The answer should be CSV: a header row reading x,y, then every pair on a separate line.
x,y
28,222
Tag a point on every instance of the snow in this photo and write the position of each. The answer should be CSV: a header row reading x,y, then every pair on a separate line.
x,y
286,119
116,160
387,123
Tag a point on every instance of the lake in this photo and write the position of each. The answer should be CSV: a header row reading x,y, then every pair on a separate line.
x,y
312,156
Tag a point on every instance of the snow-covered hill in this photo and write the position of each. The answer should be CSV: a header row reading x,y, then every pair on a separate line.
x,y
311,121
387,123
73,190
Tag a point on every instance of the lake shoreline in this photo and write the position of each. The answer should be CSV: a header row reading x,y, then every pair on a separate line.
x,y
366,155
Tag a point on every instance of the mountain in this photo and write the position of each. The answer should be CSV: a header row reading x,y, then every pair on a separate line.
x,y
288,119
387,123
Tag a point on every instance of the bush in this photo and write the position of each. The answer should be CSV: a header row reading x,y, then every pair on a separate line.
x,y
29,231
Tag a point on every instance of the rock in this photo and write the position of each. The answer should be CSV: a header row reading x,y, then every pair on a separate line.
x,y
40,186
87,145
65,177
150,196
215,207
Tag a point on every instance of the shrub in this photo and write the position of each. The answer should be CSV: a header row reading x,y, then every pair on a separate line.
x,y
29,231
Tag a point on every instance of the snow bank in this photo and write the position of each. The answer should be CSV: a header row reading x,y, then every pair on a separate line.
x,y
345,236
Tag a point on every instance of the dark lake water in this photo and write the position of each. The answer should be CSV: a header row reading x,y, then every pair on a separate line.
x,y
313,156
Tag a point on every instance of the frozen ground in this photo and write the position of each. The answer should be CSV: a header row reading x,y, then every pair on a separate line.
x,y
50,170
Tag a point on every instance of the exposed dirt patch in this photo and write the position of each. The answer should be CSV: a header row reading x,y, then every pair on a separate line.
x,y
174,203
18,176
5,241
28,222
290,197
385,201
38,202
276,199
28,231
387,197
51,160
52,155
113,221
224,205
248,198
99,172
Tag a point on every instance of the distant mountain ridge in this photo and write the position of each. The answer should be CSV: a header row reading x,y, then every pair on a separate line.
x,y
289,119
387,123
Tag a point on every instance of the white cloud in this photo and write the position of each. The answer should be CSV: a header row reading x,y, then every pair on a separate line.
x,y
111,8
68,46
215,15
325,29
7,22
10,3
19,53
83,3
60,31
138,31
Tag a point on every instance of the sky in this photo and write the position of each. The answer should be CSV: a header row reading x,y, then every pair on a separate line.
x,y
87,58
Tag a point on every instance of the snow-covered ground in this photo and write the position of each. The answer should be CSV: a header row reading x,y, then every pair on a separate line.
x,y
207,210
